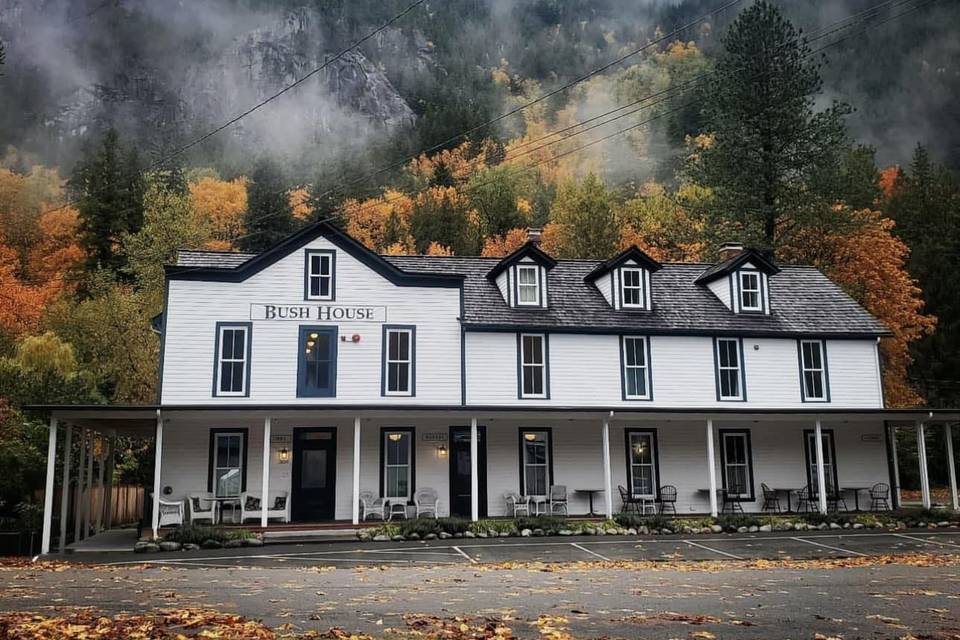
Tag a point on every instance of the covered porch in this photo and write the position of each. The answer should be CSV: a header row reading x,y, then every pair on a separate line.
x,y
341,467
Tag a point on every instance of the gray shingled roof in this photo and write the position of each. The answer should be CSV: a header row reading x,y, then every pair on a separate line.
x,y
211,259
802,299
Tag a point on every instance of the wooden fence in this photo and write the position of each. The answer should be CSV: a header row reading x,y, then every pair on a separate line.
x,y
126,504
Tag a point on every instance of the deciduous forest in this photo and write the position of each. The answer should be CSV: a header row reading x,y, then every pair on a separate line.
x,y
824,134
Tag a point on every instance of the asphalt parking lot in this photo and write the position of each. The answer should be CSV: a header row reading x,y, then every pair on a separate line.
x,y
805,545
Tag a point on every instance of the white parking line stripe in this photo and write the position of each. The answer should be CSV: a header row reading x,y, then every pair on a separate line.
x,y
946,544
703,546
827,546
464,554
593,553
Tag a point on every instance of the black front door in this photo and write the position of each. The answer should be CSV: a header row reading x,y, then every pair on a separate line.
x,y
460,470
314,474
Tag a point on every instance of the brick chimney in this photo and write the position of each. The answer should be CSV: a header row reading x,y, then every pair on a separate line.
x,y
533,235
730,250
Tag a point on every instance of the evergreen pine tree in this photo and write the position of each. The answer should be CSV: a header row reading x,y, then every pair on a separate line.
x,y
769,145
269,216
108,186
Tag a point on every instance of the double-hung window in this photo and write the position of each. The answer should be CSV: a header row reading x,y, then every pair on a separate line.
x,y
233,360
737,463
814,380
535,462
631,288
398,360
636,368
528,285
751,298
397,456
227,458
533,365
317,370
729,359
319,275
641,463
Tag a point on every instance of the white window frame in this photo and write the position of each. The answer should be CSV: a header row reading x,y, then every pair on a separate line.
x,y
822,371
535,285
320,275
721,368
390,333
651,439
747,464
639,288
408,436
545,434
234,360
644,368
532,366
216,462
744,275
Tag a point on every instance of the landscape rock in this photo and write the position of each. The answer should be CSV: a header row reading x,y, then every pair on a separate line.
x,y
413,536
430,536
145,547
834,525
189,546
566,532
742,529
398,538
526,533
753,528
233,544
482,534
253,542
469,534
716,528
631,531
445,536
666,531
211,544
381,538
170,545
766,528
858,525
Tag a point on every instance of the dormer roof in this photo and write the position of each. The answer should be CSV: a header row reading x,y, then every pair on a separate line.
x,y
754,257
530,251
632,253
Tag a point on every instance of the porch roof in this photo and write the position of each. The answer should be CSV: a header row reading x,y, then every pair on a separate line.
x,y
141,419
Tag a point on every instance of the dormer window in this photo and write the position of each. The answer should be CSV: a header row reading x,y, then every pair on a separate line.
x,y
631,288
528,285
319,276
751,297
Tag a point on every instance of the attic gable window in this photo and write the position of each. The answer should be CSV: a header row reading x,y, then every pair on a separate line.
x,y
319,275
528,285
751,298
631,288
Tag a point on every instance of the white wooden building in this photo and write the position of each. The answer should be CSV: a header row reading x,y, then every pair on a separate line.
x,y
319,369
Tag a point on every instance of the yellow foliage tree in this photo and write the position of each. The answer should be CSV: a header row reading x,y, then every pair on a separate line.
x,y
299,198
499,246
380,222
219,205
437,249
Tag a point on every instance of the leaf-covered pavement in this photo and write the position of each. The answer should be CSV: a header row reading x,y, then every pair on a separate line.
x,y
914,596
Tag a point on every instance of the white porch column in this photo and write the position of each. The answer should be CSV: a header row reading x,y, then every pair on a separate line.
x,y
474,472
821,476
922,460
157,456
87,488
78,503
607,481
48,489
265,483
712,469
355,510
896,468
65,488
954,499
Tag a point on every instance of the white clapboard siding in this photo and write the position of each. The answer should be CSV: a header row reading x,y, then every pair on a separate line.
x,y
584,370
194,308
777,454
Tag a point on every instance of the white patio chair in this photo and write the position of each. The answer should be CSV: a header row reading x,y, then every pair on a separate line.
x,y
171,512
202,507
558,498
372,505
426,500
517,504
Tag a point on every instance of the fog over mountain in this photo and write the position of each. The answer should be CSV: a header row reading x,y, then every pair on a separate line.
x,y
164,71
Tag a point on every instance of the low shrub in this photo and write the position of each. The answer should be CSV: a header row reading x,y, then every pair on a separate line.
x,y
549,524
737,520
421,526
196,534
492,526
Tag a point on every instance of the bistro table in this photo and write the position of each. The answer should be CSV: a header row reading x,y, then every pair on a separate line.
x,y
788,492
539,504
856,495
590,493
223,501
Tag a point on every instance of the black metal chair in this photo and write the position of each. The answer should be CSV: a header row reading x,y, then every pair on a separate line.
x,y
668,499
805,503
880,497
731,500
771,500
630,503
835,499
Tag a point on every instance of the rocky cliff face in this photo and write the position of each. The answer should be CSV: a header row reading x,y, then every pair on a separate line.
x,y
169,96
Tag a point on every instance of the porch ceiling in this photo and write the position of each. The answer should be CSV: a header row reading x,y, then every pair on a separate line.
x,y
141,419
